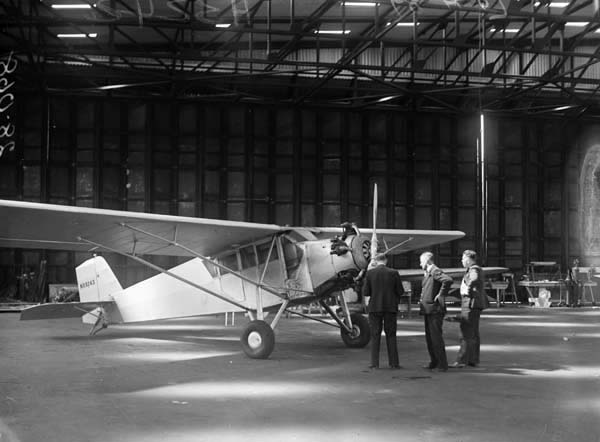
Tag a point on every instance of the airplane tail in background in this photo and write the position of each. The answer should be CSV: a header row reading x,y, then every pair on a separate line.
x,y
96,280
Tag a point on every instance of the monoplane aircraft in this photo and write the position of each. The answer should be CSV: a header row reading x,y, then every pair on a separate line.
x,y
234,266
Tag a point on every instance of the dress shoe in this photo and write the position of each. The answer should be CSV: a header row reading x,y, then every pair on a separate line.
x,y
373,366
457,365
472,364
429,366
396,367
440,369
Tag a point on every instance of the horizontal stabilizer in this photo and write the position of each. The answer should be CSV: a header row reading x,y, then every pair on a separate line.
x,y
61,310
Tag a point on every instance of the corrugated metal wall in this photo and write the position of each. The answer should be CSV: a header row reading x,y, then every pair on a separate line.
x,y
299,166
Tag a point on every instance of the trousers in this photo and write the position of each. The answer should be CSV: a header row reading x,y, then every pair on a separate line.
x,y
386,321
469,338
435,340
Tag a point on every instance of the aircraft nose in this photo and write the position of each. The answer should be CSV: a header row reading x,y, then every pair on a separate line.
x,y
361,252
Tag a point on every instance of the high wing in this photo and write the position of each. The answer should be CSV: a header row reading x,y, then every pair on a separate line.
x,y
398,241
49,226
417,274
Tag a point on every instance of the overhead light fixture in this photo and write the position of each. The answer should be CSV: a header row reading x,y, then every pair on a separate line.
x,y
72,6
388,98
332,31
76,63
92,35
507,30
365,4
561,108
403,24
553,4
577,24
222,25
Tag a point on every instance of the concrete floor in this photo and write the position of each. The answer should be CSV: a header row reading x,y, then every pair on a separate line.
x,y
188,380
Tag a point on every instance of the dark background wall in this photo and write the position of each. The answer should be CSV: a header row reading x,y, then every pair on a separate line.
x,y
300,166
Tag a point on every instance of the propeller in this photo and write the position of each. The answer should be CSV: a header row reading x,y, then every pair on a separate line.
x,y
374,241
374,235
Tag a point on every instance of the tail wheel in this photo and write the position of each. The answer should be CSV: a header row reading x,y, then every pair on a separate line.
x,y
258,340
360,335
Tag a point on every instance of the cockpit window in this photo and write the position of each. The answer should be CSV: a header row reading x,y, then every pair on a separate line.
x,y
297,236
212,269
229,261
292,254
248,257
262,251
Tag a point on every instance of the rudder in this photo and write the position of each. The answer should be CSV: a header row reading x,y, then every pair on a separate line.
x,y
96,280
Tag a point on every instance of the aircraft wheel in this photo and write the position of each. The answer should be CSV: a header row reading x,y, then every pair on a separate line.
x,y
258,340
361,332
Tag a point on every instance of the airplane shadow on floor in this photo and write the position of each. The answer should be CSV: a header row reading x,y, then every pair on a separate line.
x,y
188,335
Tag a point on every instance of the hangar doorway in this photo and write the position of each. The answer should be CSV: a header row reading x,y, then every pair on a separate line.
x,y
590,206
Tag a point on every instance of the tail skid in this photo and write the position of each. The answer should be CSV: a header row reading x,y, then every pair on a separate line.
x,y
101,320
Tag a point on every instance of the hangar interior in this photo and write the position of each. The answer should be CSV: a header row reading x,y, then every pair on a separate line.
x,y
480,116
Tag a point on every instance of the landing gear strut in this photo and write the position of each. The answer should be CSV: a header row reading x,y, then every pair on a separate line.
x,y
354,327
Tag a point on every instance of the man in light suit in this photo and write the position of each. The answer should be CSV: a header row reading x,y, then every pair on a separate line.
x,y
435,287
473,301
384,288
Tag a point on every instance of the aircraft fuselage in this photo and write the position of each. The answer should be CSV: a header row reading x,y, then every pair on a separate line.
x,y
292,266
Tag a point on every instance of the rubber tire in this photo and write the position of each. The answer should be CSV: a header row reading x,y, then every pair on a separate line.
x,y
361,324
261,332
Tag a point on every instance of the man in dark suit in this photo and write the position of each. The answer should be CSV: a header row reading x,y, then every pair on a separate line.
x,y
473,301
436,285
384,287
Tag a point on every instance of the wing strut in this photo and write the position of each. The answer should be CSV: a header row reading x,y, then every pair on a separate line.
x,y
259,304
398,245
166,272
204,258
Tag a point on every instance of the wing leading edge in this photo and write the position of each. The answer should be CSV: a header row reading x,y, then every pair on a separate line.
x,y
50,226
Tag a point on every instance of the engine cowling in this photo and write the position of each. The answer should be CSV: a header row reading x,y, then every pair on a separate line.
x,y
337,261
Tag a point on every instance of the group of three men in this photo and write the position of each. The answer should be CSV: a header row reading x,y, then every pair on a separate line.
x,y
383,286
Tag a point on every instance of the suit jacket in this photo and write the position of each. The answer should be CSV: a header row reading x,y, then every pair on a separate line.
x,y
435,282
384,287
472,291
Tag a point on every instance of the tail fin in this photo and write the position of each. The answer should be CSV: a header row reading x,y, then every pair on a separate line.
x,y
96,280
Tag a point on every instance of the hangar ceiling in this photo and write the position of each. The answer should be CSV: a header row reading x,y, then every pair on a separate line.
x,y
449,55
